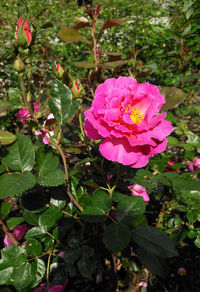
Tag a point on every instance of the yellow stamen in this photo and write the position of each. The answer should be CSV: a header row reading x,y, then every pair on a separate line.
x,y
136,116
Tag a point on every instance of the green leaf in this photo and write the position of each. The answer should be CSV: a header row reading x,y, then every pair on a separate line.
x,y
5,275
157,265
112,22
14,221
22,276
35,232
93,214
187,30
58,203
60,102
85,267
33,247
13,255
187,5
5,209
132,206
30,218
6,137
113,65
4,105
116,237
72,255
87,251
53,178
197,241
155,241
38,269
71,35
173,96
117,196
21,155
189,13
49,217
46,162
85,64
15,183
48,243
101,200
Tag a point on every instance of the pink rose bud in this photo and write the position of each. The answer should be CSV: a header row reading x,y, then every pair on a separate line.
x,y
23,33
59,71
195,164
181,272
138,190
77,89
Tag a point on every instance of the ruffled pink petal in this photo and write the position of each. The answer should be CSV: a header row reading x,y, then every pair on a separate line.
x,y
90,131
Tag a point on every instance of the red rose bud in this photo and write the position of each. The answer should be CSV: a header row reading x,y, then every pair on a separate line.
x,y
23,33
59,71
77,89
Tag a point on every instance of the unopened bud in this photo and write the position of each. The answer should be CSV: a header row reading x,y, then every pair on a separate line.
x,y
59,71
19,65
23,33
77,89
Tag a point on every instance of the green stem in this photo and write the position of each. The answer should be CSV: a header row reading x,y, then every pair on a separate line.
x,y
48,267
21,80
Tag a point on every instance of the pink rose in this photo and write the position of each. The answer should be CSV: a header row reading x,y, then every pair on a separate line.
x,y
125,114
23,113
23,34
195,164
45,131
137,190
19,232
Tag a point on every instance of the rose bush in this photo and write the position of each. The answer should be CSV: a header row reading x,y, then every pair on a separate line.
x,y
23,33
125,114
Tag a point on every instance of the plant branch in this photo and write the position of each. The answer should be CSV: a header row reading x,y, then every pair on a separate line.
x,y
7,233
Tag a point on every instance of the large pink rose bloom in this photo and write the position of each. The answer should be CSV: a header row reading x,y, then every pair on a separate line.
x,y
125,114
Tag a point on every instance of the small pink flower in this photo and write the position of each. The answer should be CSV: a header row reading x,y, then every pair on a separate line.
x,y
195,164
125,115
23,115
138,190
19,232
36,107
143,284
45,131
24,34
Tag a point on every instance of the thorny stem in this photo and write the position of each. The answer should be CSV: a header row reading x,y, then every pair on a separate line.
x,y
94,41
8,234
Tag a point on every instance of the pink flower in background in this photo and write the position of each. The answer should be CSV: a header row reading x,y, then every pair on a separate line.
x,y
170,169
125,114
57,288
19,232
23,115
25,31
137,190
45,131
195,164
59,71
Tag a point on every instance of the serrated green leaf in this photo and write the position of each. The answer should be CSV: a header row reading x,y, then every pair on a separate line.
x,y
30,218
154,241
38,269
57,203
5,275
36,232
116,237
15,183
132,206
22,276
93,214
14,221
21,155
49,217
5,209
33,247
61,104
101,200
54,178
13,255
6,137
46,162
85,64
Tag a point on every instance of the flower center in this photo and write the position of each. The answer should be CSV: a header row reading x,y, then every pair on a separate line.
x,y
136,116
